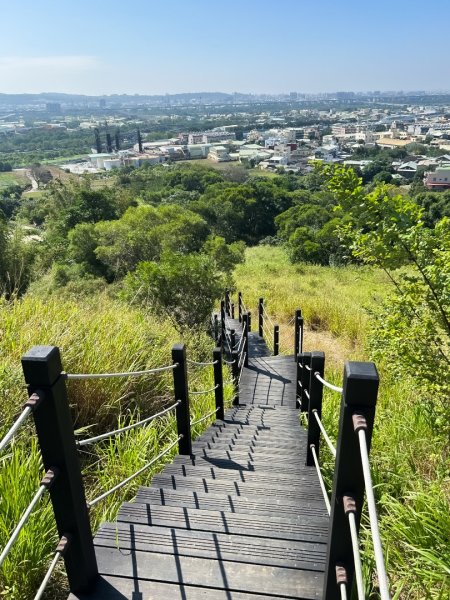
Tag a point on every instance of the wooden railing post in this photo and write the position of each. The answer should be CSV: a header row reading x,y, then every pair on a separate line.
x,y
227,302
303,378
315,403
232,310
261,317
235,375
216,328
359,396
223,324
43,374
180,384
249,315
232,339
297,323
240,306
301,327
218,383
276,340
246,321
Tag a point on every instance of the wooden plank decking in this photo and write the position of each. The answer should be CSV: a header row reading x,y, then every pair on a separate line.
x,y
243,518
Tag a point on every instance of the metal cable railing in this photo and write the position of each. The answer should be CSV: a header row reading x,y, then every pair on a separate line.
x,y
46,483
205,417
202,364
136,474
321,480
267,316
228,362
15,428
360,425
201,392
350,511
342,581
324,433
241,368
29,406
60,551
109,434
326,383
123,374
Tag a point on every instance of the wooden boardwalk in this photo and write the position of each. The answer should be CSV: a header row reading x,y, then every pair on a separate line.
x,y
243,518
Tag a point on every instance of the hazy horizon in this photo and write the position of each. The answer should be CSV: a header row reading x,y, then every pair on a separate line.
x,y
105,49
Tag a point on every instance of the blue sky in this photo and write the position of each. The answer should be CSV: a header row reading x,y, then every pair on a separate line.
x,y
273,46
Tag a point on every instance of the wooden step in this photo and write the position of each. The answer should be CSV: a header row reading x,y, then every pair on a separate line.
x,y
209,573
216,546
278,505
291,527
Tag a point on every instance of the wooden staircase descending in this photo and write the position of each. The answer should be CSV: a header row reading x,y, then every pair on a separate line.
x,y
243,518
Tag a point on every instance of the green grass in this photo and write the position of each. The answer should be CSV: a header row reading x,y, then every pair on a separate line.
x,y
410,461
12,178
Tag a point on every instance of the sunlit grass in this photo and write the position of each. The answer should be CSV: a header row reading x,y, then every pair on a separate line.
x,y
410,462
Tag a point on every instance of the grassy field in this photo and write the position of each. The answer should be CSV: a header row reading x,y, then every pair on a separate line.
x,y
12,178
333,300
410,461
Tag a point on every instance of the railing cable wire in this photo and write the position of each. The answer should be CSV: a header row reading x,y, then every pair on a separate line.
x,y
46,482
205,391
103,436
17,425
360,425
268,316
324,433
330,386
205,417
202,364
350,510
60,551
123,374
29,406
321,481
136,474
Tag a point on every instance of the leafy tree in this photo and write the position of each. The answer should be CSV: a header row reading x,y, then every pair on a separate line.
x,y
144,232
412,333
181,287
226,256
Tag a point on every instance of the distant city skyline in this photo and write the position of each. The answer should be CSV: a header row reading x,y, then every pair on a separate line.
x,y
253,47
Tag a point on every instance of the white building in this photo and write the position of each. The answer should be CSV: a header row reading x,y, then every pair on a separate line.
x,y
438,179
219,154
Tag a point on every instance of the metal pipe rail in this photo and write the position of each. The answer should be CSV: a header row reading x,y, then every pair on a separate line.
x,y
205,417
202,364
204,391
136,474
109,434
46,483
324,433
326,383
360,426
321,480
29,406
124,374
60,551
